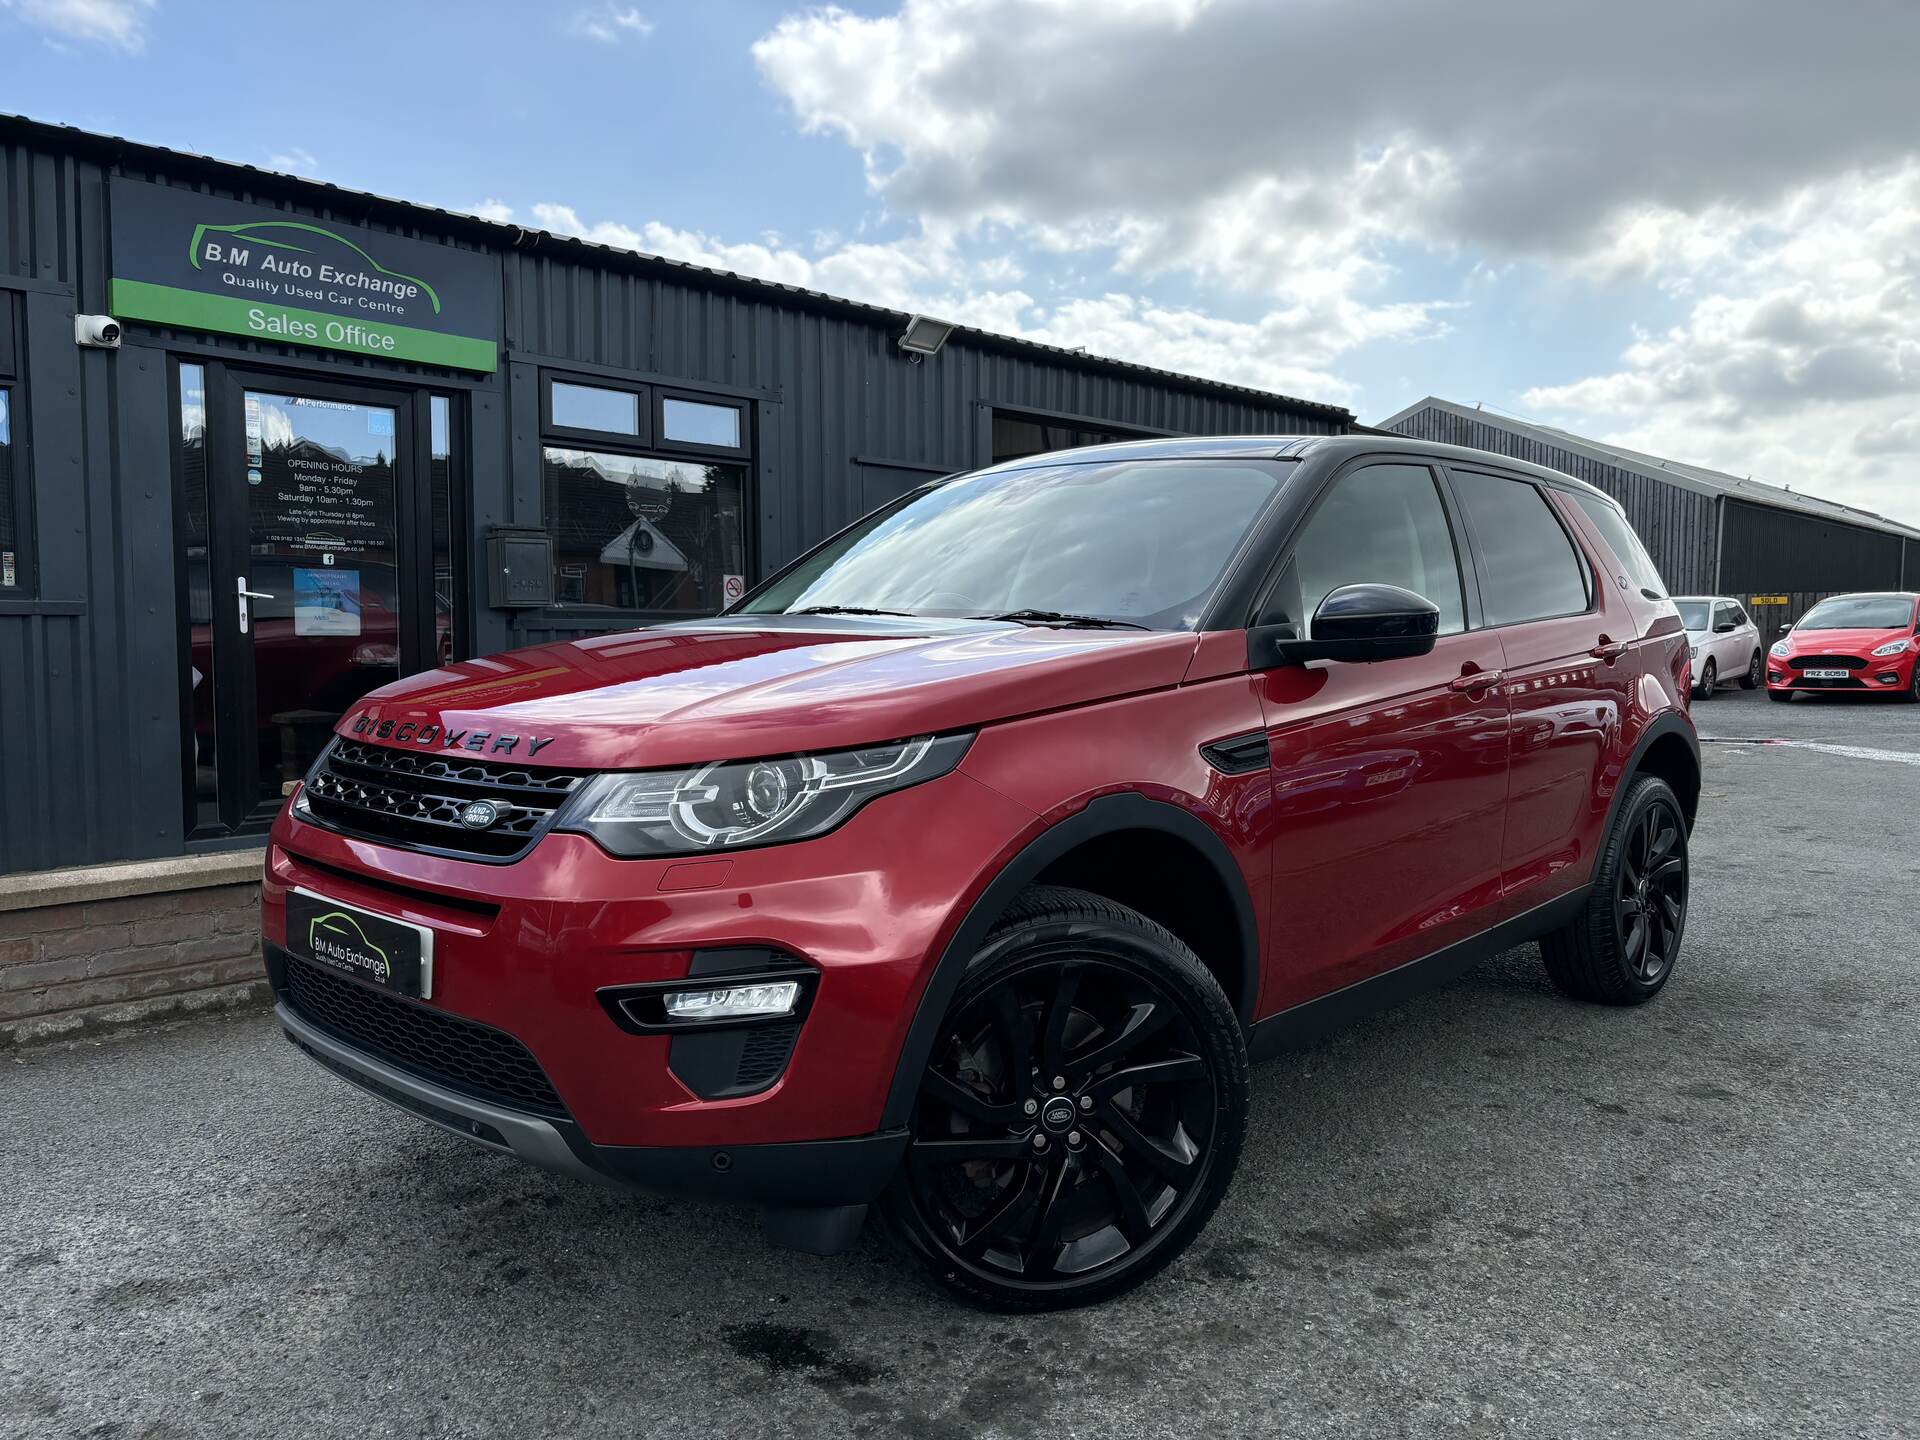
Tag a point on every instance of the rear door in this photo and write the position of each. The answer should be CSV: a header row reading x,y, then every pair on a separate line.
x,y
1571,666
1389,779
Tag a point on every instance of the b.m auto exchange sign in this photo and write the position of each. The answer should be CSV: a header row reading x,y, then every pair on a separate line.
x,y
197,262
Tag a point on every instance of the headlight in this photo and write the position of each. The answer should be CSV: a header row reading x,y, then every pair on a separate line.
x,y
1892,647
1778,650
733,803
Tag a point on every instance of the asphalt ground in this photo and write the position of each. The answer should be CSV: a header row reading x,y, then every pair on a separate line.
x,y
1491,1211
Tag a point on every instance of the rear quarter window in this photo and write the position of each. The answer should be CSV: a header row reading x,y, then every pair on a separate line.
x,y
1638,565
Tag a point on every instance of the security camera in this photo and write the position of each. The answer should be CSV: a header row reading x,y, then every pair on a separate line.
x,y
98,332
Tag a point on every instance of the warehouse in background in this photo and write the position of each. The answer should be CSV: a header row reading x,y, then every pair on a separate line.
x,y
1775,549
266,444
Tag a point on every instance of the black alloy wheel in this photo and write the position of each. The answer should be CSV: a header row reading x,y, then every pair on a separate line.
x,y
1081,1113
1650,892
1756,672
1623,946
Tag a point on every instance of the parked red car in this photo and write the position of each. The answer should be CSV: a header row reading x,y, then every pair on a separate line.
x,y
1861,643
963,866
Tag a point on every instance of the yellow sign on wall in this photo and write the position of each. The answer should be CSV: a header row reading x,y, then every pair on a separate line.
x,y
1767,600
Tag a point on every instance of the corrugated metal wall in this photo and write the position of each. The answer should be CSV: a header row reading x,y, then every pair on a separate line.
x,y
1770,551
90,668
1677,526
837,389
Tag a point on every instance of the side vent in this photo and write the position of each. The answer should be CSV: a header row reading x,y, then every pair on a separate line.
x,y
1238,754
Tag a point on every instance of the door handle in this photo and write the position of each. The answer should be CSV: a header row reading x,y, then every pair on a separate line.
x,y
1609,650
242,594
1476,680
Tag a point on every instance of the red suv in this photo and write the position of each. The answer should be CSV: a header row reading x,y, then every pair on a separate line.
x,y
963,866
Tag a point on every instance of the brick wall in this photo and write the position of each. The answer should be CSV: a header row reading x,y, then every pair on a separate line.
x,y
66,969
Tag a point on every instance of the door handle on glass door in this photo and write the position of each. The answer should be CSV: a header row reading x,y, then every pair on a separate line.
x,y
243,594
1476,680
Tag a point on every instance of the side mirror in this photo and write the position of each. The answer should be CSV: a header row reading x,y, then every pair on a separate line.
x,y
1364,623
1785,628
1725,627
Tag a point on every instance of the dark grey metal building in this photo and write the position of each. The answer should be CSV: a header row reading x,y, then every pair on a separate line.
x,y
1711,533
336,427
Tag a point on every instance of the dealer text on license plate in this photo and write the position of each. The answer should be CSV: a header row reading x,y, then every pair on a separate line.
x,y
393,954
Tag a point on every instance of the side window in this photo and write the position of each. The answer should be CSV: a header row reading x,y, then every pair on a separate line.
x,y
1737,615
1383,524
1529,569
1723,615
1614,529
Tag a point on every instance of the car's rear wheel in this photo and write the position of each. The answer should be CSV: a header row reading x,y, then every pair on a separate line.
x,y
1622,948
1081,1113
1756,672
1709,677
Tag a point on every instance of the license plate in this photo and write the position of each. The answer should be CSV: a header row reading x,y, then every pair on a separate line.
x,y
1824,674
392,954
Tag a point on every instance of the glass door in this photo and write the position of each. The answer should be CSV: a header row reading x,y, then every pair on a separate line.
x,y
313,601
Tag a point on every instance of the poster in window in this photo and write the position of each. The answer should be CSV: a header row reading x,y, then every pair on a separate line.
x,y
326,602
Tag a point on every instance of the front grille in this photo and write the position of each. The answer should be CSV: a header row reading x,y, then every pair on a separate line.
x,y
1828,662
415,800
462,1055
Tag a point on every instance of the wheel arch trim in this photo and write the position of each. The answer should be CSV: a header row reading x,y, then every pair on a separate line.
x,y
1670,722
1105,816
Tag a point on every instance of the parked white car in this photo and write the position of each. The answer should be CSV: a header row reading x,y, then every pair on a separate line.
x,y
1725,642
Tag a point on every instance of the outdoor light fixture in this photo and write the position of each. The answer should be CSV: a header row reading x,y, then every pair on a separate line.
x,y
924,336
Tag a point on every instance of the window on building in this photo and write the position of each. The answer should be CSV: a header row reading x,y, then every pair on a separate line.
x,y
595,408
699,422
1529,569
1641,572
193,528
9,510
1017,436
635,532
440,477
1382,525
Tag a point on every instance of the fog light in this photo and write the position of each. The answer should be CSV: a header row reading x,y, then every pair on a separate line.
x,y
1888,678
735,1002
1774,675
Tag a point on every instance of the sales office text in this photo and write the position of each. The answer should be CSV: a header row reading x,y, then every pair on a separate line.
x,y
337,332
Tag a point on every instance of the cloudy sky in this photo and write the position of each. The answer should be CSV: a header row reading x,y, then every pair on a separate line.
x,y
1690,226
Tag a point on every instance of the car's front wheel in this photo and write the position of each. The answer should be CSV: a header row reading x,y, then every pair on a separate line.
x,y
1709,677
1081,1113
1622,948
1756,672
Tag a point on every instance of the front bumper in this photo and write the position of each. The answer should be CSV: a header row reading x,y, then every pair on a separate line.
x,y
792,1178
1886,673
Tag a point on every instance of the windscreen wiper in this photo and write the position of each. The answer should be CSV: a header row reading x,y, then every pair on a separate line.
x,y
849,610
1059,617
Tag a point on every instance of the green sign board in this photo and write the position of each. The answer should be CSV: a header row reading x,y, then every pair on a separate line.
x,y
198,262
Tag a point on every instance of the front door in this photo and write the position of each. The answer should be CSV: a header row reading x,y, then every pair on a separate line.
x,y
1389,779
315,593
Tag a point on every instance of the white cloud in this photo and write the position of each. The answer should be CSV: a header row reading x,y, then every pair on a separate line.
x,y
1751,161
1798,360
117,24
609,24
497,211
296,161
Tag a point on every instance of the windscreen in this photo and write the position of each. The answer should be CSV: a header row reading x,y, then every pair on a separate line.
x,y
1144,542
1693,613
1859,612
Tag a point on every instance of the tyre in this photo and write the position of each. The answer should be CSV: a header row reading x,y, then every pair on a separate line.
x,y
1911,695
1081,1114
1709,677
1756,672
1622,948
1780,697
